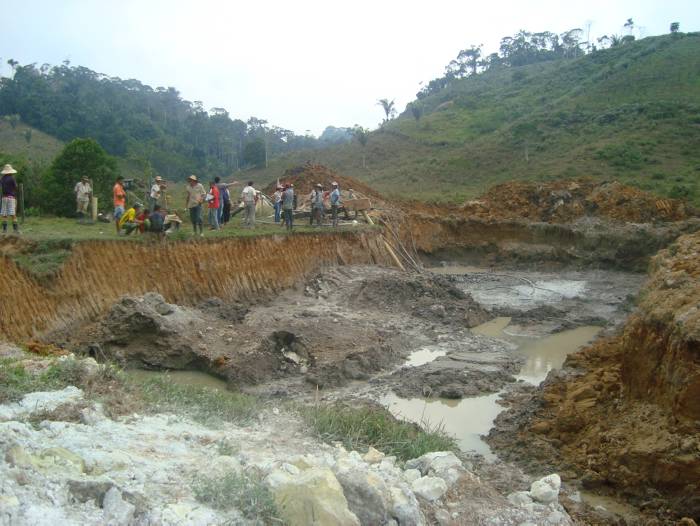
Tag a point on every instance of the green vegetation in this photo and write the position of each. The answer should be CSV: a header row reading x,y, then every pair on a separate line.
x,y
40,147
360,427
244,492
202,404
630,112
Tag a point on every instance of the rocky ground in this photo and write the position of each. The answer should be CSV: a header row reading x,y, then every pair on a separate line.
x,y
65,461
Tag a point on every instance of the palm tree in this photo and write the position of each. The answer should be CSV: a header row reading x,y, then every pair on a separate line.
x,y
361,134
388,107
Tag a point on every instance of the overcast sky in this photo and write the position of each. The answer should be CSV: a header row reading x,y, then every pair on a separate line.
x,y
302,64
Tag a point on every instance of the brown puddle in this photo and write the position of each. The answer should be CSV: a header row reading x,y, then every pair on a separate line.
x,y
470,418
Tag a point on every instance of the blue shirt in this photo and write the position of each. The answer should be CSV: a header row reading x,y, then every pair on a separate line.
x,y
335,197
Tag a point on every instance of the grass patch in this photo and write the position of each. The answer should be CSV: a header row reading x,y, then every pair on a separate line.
x,y
245,492
360,427
199,403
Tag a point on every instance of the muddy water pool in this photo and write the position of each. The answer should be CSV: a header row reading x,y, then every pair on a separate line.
x,y
468,419
186,378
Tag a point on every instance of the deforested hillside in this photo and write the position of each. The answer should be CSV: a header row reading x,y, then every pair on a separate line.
x,y
630,112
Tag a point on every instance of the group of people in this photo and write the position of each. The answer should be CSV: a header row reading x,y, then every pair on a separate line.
x,y
152,219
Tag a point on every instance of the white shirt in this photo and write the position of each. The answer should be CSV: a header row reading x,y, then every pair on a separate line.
x,y
83,191
155,191
248,194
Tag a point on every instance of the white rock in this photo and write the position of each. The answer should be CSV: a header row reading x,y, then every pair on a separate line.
x,y
443,464
405,508
373,456
556,518
546,490
411,474
39,402
429,488
443,517
117,512
520,498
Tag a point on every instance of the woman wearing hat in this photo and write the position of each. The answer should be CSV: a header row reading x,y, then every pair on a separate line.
x,y
8,205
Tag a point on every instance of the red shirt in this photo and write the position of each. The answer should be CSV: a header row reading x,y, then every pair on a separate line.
x,y
214,203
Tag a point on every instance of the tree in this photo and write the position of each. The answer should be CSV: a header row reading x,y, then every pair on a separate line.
x,y
254,153
416,110
388,107
361,134
80,157
675,26
629,26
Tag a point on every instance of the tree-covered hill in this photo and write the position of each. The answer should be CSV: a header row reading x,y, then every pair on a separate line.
x,y
152,128
630,112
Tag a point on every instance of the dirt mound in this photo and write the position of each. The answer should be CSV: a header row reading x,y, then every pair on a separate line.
x,y
624,413
429,297
567,200
306,176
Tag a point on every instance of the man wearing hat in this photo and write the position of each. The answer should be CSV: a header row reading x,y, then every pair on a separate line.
x,y
288,205
8,205
83,193
335,202
156,190
195,196
277,200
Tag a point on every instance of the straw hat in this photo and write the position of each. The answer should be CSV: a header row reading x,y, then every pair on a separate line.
x,y
334,183
319,185
7,169
158,178
192,178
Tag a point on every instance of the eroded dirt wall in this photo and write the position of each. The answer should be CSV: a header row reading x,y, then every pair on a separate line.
x,y
628,246
99,272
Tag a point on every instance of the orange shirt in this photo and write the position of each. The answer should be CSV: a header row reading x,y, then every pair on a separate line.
x,y
119,195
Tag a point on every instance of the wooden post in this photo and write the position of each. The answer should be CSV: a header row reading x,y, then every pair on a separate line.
x,y
93,208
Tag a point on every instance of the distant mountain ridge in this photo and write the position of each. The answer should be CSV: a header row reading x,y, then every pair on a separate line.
x,y
631,112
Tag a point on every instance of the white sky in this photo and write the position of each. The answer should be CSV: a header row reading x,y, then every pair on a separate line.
x,y
302,64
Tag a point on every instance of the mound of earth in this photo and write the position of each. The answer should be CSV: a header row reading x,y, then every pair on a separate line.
x,y
624,414
429,297
306,176
564,201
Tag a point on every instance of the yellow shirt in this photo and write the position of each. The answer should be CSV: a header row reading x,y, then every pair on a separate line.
x,y
128,216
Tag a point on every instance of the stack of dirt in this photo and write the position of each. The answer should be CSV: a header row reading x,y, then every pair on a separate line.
x,y
567,200
624,414
306,176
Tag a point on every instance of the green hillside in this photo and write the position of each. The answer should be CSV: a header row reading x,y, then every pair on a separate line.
x,y
631,112
29,143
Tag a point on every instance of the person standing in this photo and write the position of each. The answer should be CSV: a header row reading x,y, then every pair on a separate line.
x,y
213,199
83,193
195,196
8,204
335,203
119,198
249,197
277,200
288,206
317,204
154,196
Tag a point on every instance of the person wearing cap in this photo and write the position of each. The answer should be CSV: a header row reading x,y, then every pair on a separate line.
x,y
119,198
277,200
155,193
8,204
335,203
195,196
288,206
83,192
128,221
249,197
317,204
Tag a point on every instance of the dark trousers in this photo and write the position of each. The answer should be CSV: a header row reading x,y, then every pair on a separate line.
x,y
288,218
196,217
